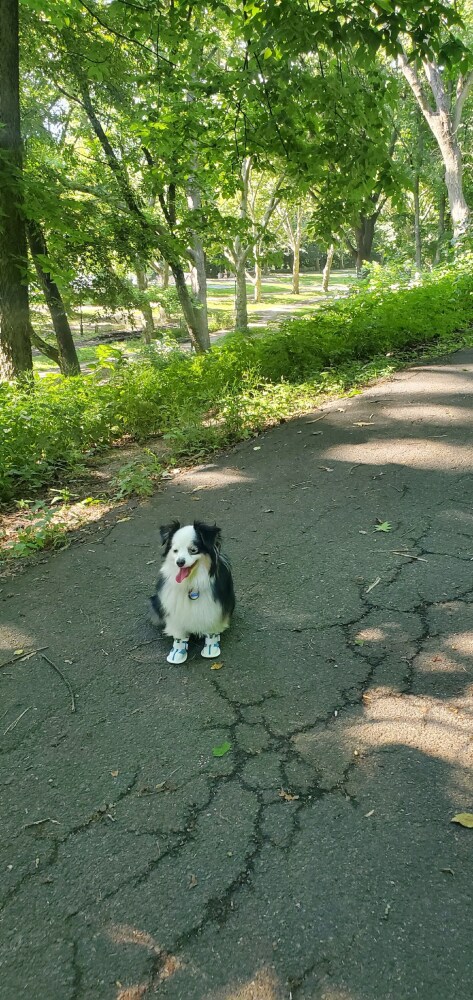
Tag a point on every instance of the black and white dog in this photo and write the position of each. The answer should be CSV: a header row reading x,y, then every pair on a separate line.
x,y
194,592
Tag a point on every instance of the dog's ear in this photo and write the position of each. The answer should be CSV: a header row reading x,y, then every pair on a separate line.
x,y
167,531
209,533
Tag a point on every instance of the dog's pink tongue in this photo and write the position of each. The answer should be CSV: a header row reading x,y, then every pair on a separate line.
x,y
183,573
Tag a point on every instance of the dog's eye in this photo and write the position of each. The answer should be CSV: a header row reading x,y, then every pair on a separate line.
x,y
174,550
192,551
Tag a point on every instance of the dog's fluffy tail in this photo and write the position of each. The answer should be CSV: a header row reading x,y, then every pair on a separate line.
x,y
155,610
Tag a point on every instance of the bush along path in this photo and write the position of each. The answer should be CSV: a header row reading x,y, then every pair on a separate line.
x,y
199,403
281,825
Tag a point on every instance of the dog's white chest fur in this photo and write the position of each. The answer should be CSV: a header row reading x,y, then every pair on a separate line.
x,y
184,615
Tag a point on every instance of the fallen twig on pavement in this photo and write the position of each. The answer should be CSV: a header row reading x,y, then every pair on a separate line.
x,y
408,555
23,656
66,682
15,723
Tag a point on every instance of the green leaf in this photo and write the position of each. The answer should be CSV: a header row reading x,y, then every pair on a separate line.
x,y
464,819
221,750
267,53
384,526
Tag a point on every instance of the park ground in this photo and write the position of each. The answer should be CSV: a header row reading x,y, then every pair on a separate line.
x,y
92,325
313,857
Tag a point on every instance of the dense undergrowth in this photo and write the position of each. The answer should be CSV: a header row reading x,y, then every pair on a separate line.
x,y
199,403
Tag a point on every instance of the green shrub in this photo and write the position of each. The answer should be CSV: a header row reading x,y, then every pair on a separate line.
x,y
200,402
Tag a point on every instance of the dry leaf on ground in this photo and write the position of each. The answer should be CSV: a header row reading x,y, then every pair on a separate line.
x,y
464,819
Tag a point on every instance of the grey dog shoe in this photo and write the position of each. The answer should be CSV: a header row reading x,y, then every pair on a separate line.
x,y
212,646
178,652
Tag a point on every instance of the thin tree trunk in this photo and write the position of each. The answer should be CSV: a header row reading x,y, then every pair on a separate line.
x,y
327,269
145,307
165,276
417,230
240,253
418,162
68,360
197,270
189,312
440,227
15,344
296,266
241,301
258,277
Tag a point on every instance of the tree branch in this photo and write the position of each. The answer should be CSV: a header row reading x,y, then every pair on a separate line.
x,y
47,349
415,84
441,95
116,167
463,90
125,38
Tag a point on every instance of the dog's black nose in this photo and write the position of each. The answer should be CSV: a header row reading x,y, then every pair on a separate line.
x,y
181,562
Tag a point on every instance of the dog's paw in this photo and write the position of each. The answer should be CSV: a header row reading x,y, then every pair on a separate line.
x,y
178,652
211,647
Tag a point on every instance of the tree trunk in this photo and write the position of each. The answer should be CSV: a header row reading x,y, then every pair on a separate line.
x,y
190,313
258,277
165,276
459,210
15,344
145,307
364,234
327,269
240,253
241,302
440,228
68,360
296,267
443,120
417,231
197,269
418,163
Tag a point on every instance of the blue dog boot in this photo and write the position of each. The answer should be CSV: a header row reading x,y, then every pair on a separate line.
x,y
212,646
178,652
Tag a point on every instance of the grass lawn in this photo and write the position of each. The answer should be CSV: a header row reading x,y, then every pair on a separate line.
x,y
277,303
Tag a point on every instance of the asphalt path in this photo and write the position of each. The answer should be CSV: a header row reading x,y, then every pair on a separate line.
x,y
315,859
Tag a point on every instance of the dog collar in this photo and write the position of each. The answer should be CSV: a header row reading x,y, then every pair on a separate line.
x,y
193,595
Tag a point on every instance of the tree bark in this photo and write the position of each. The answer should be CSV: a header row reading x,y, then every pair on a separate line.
x,y
145,307
197,270
417,230
258,277
241,299
443,120
15,344
364,235
327,268
418,162
68,360
440,228
239,253
296,267
189,312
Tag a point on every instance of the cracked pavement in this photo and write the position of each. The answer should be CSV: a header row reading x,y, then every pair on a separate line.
x,y
317,859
